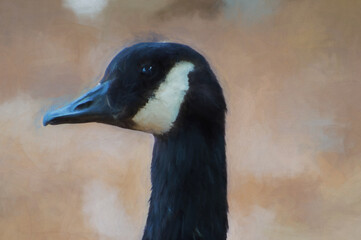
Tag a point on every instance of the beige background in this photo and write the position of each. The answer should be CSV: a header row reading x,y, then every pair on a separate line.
x,y
291,74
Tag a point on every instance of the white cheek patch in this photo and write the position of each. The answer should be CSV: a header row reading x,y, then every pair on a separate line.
x,y
161,110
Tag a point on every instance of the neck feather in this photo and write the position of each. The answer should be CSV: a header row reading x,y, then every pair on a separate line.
x,y
189,186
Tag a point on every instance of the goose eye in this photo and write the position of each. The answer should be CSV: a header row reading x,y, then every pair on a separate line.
x,y
147,70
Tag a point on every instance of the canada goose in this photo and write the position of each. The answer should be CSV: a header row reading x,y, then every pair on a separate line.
x,y
170,91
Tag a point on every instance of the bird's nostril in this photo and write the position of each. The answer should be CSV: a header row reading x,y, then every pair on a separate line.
x,y
84,105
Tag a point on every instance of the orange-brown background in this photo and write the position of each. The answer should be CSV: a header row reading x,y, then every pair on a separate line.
x,y
291,74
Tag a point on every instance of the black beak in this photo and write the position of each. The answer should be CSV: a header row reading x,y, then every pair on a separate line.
x,y
91,107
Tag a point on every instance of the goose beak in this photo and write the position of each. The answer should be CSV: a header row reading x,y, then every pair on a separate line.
x,y
91,107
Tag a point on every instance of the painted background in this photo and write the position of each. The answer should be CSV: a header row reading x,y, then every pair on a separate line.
x,y
291,74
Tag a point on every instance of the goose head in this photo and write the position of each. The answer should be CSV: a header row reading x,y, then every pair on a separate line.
x,y
168,90
150,87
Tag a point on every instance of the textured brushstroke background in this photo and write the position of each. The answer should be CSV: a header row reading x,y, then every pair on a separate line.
x,y
291,72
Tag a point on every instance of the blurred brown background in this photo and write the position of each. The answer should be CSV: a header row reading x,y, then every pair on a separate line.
x,y
291,74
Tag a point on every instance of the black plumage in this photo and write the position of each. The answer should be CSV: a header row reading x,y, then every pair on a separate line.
x,y
188,170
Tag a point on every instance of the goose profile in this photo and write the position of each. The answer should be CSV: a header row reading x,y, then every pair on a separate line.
x,y
170,91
